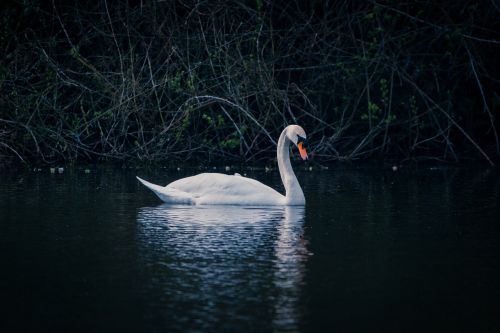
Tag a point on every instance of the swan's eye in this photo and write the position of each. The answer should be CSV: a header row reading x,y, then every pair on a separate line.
x,y
302,140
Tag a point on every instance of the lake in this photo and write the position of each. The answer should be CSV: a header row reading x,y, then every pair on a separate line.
x,y
417,249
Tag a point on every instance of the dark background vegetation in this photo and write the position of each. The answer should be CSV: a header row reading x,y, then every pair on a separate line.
x,y
199,81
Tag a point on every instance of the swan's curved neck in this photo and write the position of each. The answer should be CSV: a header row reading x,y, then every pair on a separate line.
x,y
293,191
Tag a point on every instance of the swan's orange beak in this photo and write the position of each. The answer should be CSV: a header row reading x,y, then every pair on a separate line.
x,y
302,150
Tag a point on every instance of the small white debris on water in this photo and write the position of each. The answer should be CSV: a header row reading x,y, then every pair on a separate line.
x,y
87,171
178,169
394,168
52,170
310,168
227,168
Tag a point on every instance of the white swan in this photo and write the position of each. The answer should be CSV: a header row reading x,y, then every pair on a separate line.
x,y
221,189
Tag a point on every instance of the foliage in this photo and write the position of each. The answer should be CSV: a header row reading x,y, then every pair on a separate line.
x,y
187,81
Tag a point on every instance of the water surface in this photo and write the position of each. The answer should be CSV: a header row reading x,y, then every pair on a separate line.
x,y
413,250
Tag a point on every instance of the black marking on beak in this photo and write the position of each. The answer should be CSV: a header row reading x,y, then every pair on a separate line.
x,y
300,139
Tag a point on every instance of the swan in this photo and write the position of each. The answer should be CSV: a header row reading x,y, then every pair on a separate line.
x,y
222,189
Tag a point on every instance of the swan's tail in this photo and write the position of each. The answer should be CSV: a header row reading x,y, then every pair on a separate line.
x,y
168,195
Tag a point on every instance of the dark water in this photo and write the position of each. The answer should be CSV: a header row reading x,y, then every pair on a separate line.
x,y
374,250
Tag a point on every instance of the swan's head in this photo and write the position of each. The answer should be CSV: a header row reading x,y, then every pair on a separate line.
x,y
297,135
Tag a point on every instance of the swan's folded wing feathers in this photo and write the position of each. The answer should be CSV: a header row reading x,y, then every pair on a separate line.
x,y
215,188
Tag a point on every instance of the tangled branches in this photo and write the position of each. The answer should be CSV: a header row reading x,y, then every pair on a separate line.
x,y
214,80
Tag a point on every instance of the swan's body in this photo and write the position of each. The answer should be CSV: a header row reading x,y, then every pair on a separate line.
x,y
221,189
217,188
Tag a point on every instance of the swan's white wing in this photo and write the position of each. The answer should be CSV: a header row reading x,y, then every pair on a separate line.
x,y
216,188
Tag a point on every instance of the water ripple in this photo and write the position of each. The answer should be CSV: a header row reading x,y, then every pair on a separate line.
x,y
221,267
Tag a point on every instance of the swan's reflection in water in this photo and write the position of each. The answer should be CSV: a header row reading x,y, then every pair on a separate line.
x,y
223,267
